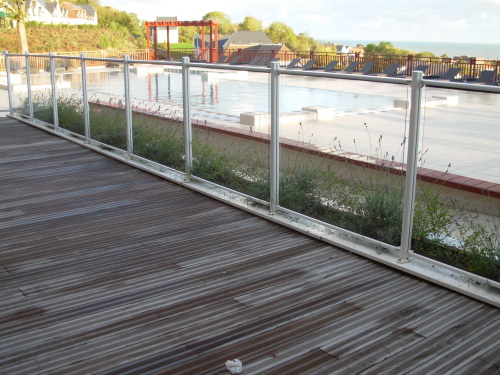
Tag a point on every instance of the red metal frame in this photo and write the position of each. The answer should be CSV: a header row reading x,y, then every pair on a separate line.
x,y
214,36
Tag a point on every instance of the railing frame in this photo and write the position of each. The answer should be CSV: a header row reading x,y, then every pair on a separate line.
x,y
53,84
411,166
28,84
416,81
9,84
86,109
186,108
128,106
274,155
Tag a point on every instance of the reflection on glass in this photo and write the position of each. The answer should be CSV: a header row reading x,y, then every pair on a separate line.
x,y
457,218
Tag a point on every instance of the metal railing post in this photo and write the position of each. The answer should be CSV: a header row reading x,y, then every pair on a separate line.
x,y
55,113
128,106
275,140
9,84
28,84
86,113
411,167
186,110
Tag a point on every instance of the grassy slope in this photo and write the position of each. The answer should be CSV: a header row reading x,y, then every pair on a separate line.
x,y
67,39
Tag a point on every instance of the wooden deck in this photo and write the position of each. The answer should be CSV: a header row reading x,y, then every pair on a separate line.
x,y
107,269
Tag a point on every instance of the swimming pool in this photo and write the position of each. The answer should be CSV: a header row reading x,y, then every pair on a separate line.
x,y
230,96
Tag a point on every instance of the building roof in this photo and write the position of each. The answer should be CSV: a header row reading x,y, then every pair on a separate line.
x,y
89,9
222,41
268,48
50,6
249,38
166,18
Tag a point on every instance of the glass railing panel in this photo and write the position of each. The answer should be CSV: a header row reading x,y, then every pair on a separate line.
x,y
41,89
19,85
70,106
106,98
158,129
342,152
231,122
457,219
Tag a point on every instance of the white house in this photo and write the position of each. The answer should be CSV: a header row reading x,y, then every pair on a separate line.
x,y
162,31
64,13
342,48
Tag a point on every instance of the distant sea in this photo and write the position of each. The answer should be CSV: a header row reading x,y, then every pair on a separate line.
x,y
486,51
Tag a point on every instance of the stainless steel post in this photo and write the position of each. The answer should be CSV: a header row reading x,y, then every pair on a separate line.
x,y
9,84
55,113
128,106
275,140
86,113
186,103
411,167
28,84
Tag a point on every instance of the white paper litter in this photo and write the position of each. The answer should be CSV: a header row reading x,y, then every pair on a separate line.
x,y
234,366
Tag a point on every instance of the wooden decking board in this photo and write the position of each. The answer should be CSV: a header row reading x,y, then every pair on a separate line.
x,y
189,280
96,306
432,347
106,269
363,320
384,339
315,316
321,281
166,358
108,339
438,321
486,364
303,364
383,324
262,342
376,352
225,322
472,345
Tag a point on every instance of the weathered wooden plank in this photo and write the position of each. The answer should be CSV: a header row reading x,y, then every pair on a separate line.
x,y
303,364
473,345
486,364
77,345
383,308
448,339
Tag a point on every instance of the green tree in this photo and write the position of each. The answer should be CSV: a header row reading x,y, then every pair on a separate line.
x,y
371,48
17,12
304,42
94,3
251,24
386,48
425,54
225,25
114,18
188,33
280,33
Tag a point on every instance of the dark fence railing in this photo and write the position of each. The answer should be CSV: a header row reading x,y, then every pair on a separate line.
x,y
469,67
40,62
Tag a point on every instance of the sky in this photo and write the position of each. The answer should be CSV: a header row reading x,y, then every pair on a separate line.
x,y
466,21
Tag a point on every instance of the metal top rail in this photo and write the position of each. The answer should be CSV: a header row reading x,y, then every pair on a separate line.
x,y
405,80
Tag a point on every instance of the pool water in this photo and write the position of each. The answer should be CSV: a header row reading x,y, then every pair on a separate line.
x,y
230,96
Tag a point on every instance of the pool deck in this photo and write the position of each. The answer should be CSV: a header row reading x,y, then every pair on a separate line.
x,y
442,176
107,269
